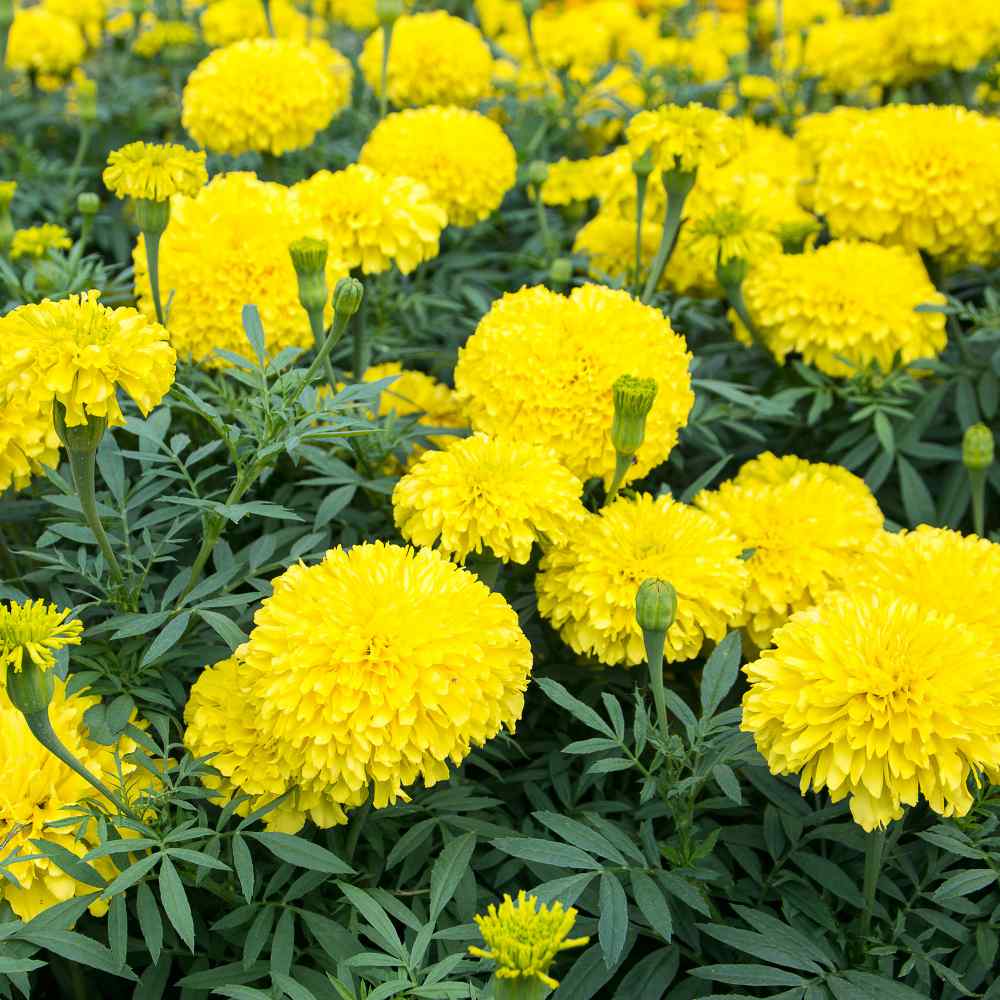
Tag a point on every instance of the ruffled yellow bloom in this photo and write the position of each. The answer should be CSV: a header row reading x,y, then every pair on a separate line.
x,y
684,138
940,36
767,469
307,85
229,21
37,241
881,700
802,531
80,353
44,42
846,306
524,938
154,172
164,36
28,440
222,249
691,58
608,240
580,180
434,58
461,156
587,587
540,367
732,232
851,54
797,15
359,15
36,630
361,675
488,493
370,220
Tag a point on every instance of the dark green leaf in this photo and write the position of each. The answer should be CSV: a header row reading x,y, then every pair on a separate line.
x,y
612,926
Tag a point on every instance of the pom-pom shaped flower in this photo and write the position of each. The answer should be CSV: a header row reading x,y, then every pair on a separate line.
x,y
307,85
846,307
580,180
165,36
879,699
373,221
362,674
44,42
922,177
37,241
35,630
228,21
488,493
222,249
939,37
434,58
463,157
684,138
28,440
80,353
587,587
154,172
853,54
802,533
358,15
541,367
524,938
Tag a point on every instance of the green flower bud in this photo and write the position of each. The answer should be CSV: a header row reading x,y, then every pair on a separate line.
x,y
87,203
978,448
309,260
733,272
347,297
151,216
633,399
655,605
538,171
389,12
30,689
81,438
561,271
6,13
643,166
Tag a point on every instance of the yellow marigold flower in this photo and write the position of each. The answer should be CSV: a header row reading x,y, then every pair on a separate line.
x,y
307,85
608,240
501,18
923,177
37,241
607,103
732,232
358,15
798,16
488,493
36,630
701,62
164,36
466,160
229,21
524,938
541,366
802,533
373,221
683,138
580,180
44,42
28,440
361,675
767,469
850,54
239,227
939,36
154,172
434,58
757,88
726,31
879,699
845,307
587,587
80,352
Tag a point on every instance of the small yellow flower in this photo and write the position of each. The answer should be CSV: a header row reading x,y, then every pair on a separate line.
x,y
163,36
524,938
45,42
36,630
732,232
155,172
37,241
684,138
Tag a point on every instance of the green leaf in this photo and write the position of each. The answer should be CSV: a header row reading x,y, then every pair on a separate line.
x,y
243,863
78,948
557,693
830,876
283,944
302,853
545,852
884,432
683,891
881,988
150,921
175,902
118,930
376,917
567,890
721,671
130,876
652,905
581,835
452,863
254,330
612,925
649,978
586,978
728,782
760,946
917,499
227,630
964,883
171,634
749,975
68,862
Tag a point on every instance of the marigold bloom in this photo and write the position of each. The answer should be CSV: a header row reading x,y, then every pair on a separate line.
x,y
524,938
587,587
28,440
358,15
541,367
373,221
851,54
683,138
37,630
580,180
846,306
879,699
44,42
937,36
464,159
797,17
164,36
37,241
222,249
228,21
803,532
307,86
80,352
488,493
361,675
154,172
434,58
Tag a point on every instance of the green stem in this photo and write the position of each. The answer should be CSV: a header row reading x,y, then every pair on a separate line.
x,y
874,849
519,989
977,486
82,464
655,640
322,359
486,566
318,328
357,825
678,185
267,17
622,464
153,263
361,354
41,729
641,185
734,294
543,223
383,97
212,531
83,143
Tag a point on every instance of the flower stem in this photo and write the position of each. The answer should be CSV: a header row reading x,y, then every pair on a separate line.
x,y
734,293
383,97
641,185
318,328
361,353
874,849
655,640
622,464
519,989
82,464
486,566
267,17
678,184
977,486
152,241
358,821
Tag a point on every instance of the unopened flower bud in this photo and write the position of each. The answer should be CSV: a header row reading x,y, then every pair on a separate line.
x,y
655,605
978,448
389,12
79,437
309,260
633,399
84,99
30,689
347,297
732,273
87,203
643,165
151,216
538,171
561,271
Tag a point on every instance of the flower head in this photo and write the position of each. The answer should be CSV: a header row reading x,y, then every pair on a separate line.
x,y
684,138
44,42
462,157
488,493
434,58
165,36
307,85
154,172
226,21
80,352
732,232
524,938
880,699
542,366
28,440
362,674
372,220
36,630
37,241
587,586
